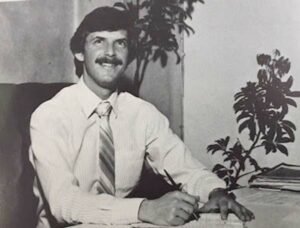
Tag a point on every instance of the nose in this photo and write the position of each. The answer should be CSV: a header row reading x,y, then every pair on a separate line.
x,y
110,50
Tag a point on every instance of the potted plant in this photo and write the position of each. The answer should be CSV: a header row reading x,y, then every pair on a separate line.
x,y
261,108
157,23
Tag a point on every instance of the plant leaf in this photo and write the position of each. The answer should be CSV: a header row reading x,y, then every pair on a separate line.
x,y
145,4
284,140
293,94
242,116
163,58
226,141
276,52
178,58
268,146
214,148
289,82
217,167
271,133
121,5
252,129
291,102
290,132
289,124
263,59
262,76
157,54
254,163
244,125
282,149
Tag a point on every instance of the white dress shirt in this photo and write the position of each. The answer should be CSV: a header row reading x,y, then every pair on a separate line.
x,y
65,155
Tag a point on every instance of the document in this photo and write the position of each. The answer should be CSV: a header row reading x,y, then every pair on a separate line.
x,y
212,220
281,177
270,197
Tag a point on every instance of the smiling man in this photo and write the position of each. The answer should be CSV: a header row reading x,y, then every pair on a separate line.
x,y
90,142
105,57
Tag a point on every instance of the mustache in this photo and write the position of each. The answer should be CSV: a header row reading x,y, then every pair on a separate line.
x,y
114,61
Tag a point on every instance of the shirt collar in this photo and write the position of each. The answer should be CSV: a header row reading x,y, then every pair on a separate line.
x,y
89,100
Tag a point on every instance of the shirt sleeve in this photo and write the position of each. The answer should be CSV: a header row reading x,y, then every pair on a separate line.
x,y
165,150
67,201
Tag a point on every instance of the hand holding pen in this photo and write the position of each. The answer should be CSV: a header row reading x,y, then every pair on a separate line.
x,y
179,188
172,209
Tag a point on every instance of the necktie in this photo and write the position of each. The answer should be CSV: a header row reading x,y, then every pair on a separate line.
x,y
106,150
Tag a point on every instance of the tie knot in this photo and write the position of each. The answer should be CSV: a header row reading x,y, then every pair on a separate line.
x,y
103,109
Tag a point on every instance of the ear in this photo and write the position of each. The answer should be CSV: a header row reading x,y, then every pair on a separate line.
x,y
79,56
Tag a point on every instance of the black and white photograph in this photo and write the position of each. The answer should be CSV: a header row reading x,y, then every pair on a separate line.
x,y
149,113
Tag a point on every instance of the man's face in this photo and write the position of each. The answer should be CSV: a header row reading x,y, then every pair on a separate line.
x,y
104,58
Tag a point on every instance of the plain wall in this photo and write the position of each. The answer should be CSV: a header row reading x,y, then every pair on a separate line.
x,y
34,41
221,58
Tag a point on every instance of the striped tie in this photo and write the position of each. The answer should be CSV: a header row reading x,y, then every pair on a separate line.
x,y
106,150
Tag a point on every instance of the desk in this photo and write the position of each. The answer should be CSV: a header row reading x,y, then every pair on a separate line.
x,y
272,209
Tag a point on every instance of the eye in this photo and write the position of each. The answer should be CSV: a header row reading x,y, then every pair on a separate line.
x,y
122,43
98,41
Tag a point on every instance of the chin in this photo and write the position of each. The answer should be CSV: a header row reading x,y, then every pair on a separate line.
x,y
111,85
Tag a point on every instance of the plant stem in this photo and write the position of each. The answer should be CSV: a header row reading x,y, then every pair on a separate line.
x,y
257,146
245,174
236,169
143,72
136,80
254,143
237,173
247,155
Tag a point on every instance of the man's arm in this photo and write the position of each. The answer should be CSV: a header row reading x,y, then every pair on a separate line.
x,y
54,167
166,151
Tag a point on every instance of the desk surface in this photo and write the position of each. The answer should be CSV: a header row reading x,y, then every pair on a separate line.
x,y
272,209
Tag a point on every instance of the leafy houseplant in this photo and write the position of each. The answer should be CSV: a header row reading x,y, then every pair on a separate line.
x,y
261,109
156,24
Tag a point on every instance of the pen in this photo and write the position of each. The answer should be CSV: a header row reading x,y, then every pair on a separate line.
x,y
178,187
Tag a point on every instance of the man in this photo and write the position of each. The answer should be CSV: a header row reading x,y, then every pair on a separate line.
x,y
90,141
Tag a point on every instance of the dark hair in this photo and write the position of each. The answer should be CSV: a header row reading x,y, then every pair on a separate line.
x,y
101,19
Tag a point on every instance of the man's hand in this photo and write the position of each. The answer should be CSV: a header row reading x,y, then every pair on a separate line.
x,y
220,201
173,208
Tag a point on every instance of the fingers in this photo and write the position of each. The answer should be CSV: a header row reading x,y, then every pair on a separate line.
x,y
224,210
177,221
248,214
204,209
188,208
182,214
184,201
243,213
176,217
173,208
226,204
181,206
208,207
190,199
238,211
251,214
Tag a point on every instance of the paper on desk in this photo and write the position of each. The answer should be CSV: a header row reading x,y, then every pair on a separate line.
x,y
272,197
206,221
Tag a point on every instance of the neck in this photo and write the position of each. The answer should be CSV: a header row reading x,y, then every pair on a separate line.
x,y
103,93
